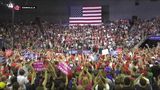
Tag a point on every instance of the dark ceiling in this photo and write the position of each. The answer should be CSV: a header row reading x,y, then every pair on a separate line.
x,y
59,9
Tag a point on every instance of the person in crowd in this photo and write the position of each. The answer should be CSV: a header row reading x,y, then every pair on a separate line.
x,y
22,80
3,83
142,83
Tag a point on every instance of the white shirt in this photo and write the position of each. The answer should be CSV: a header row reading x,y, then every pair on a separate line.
x,y
22,80
106,87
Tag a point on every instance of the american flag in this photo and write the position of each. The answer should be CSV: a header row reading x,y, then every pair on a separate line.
x,y
91,15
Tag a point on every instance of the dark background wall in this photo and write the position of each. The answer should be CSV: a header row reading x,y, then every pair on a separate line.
x,y
128,8
58,10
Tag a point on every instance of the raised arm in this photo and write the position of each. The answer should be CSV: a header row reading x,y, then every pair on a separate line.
x,y
90,76
45,80
52,68
136,81
33,74
66,83
96,78
80,75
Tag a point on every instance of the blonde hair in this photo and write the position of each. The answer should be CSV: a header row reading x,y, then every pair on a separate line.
x,y
85,81
158,82
80,87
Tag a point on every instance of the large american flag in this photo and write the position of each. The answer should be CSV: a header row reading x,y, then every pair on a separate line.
x,y
91,15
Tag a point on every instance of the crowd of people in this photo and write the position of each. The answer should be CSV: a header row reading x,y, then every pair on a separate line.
x,y
120,33
37,61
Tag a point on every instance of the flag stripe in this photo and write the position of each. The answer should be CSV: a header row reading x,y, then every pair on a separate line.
x,y
91,11
92,14
85,18
96,24
98,7
88,21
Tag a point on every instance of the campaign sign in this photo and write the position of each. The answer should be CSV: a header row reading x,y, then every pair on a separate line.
x,y
64,68
119,50
86,52
29,55
72,52
105,52
154,38
38,66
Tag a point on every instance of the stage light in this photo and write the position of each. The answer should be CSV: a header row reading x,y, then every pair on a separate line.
x,y
17,8
10,5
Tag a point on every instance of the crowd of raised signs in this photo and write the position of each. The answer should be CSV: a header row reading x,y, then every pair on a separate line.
x,y
80,57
